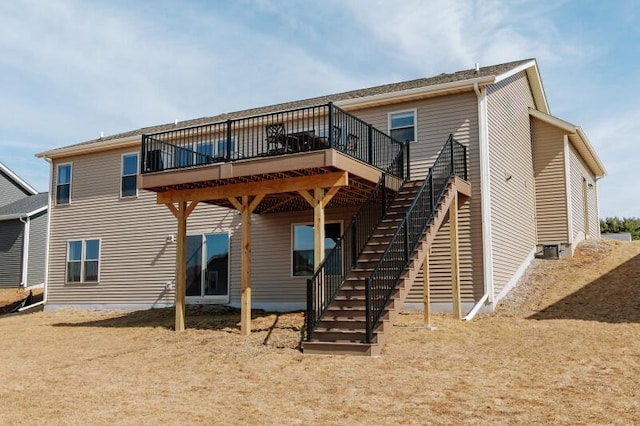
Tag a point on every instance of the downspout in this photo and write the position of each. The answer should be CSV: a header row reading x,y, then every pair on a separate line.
x,y
25,250
46,248
487,258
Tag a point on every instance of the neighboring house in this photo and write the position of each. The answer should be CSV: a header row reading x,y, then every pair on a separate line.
x,y
23,232
467,211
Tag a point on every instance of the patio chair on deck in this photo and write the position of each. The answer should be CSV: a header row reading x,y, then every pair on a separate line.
x,y
276,137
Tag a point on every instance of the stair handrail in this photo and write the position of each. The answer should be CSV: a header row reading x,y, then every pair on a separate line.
x,y
325,283
379,286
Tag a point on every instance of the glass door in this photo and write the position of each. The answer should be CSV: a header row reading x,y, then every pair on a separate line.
x,y
208,266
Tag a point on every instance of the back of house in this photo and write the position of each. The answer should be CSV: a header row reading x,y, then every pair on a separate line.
x,y
532,177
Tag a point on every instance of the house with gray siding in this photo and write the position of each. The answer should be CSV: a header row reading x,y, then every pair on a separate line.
x,y
23,232
431,194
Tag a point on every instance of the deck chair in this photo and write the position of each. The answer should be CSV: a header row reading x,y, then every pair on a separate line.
x,y
276,137
352,144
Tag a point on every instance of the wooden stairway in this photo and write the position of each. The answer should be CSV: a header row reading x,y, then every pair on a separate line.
x,y
342,328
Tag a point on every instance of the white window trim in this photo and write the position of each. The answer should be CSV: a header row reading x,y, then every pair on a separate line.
x,y
415,122
213,298
83,258
69,163
126,197
293,225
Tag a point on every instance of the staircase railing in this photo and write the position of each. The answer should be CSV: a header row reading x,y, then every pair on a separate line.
x,y
340,261
379,286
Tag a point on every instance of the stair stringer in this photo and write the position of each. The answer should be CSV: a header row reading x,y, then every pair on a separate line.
x,y
403,286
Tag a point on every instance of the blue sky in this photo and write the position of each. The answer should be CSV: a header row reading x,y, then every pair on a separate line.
x,y
70,70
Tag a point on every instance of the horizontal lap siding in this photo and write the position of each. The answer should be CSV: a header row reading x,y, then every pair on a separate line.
x,y
436,119
136,260
577,172
271,264
551,191
37,246
11,243
511,177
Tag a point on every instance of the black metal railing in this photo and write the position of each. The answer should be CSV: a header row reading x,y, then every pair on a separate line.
x,y
298,130
340,261
379,286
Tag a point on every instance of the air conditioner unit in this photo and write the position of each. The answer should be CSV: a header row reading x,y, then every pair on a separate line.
x,y
550,251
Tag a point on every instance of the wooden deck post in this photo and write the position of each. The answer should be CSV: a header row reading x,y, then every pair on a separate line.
x,y
427,293
181,213
318,227
246,208
245,274
455,258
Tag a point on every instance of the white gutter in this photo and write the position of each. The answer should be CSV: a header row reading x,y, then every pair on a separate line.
x,y
485,192
472,313
21,215
46,248
25,250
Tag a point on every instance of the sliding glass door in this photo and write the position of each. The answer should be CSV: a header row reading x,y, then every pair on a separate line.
x,y
208,266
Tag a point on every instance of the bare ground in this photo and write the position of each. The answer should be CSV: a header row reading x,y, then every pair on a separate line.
x,y
564,348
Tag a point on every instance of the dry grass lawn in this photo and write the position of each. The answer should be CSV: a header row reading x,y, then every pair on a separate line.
x,y
564,349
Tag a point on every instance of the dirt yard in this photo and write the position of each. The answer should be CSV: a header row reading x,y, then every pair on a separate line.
x,y
563,349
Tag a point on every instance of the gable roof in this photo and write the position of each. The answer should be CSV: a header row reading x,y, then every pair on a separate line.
x,y
27,206
577,138
28,189
439,84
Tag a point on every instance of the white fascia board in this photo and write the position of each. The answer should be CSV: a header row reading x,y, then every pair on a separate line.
x,y
601,172
578,139
409,94
91,147
535,82
17,179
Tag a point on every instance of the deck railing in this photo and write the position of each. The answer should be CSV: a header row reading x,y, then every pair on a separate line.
x,y
298,130
379,286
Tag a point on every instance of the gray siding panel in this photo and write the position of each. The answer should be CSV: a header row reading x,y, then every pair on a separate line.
x,y
511,177
551,188
9,191
37,246
11,243
436,119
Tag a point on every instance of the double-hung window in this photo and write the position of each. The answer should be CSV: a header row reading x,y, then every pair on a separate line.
x,y
402,126
63,184
303,246
83,261
129,181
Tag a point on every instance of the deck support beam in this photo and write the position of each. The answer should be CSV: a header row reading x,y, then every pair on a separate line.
x,y
181,213
455,256
246,207
426,300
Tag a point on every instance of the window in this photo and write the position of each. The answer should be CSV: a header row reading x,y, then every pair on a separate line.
x,y
63,184
129,185
83,257
402,126
303,246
